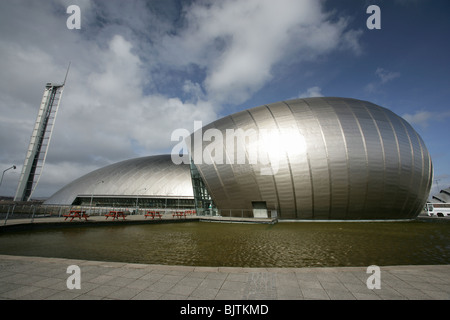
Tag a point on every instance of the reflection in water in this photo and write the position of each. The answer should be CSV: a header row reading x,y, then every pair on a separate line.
x,y
244,245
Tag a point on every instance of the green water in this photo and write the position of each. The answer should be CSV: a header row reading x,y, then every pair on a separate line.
x,y
243,245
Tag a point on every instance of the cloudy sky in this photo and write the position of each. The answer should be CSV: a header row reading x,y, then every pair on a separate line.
x,y
142,68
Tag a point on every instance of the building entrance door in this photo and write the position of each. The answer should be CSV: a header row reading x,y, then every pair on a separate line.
x,y
259,209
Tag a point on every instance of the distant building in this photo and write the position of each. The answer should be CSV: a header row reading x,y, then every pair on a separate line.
x,y
332,159
443,196
152,181
303,159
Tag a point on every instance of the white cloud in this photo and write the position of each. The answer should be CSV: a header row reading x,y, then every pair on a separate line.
x,y
423,118
384,76
420,118
140,70
238,43
311,92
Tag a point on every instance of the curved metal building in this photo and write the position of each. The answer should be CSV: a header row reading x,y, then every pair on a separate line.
x,y
152,180
314,159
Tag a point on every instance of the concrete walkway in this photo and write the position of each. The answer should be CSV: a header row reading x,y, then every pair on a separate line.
x,y
35,278
92,220
100,220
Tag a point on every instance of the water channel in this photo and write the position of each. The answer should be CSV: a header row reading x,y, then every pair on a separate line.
x,y
306,244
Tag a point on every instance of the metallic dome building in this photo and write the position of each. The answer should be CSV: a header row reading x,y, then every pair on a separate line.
x,y
153,181
313,159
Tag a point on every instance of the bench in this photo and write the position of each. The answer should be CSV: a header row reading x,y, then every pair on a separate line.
x,y
76,214
153,214
115,215
179,214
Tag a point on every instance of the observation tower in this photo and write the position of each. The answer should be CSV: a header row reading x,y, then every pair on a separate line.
x,y
40,141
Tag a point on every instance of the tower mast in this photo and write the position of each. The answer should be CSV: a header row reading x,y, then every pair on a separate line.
x,y
40,140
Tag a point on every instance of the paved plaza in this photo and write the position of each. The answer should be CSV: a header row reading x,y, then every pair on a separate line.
x,y
36,278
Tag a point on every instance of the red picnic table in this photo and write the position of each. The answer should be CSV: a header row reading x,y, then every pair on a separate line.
x,y
115,215
76,214
179,214
153,214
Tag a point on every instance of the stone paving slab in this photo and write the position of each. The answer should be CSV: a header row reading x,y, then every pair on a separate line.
x,y
36,278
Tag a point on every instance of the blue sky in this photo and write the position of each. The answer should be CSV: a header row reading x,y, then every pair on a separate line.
x,y
141,69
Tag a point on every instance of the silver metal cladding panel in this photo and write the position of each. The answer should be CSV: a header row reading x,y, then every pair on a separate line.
x,y
333,159
154,176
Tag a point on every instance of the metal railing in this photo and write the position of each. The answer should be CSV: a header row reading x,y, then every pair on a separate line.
x,y
39,211
237,213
